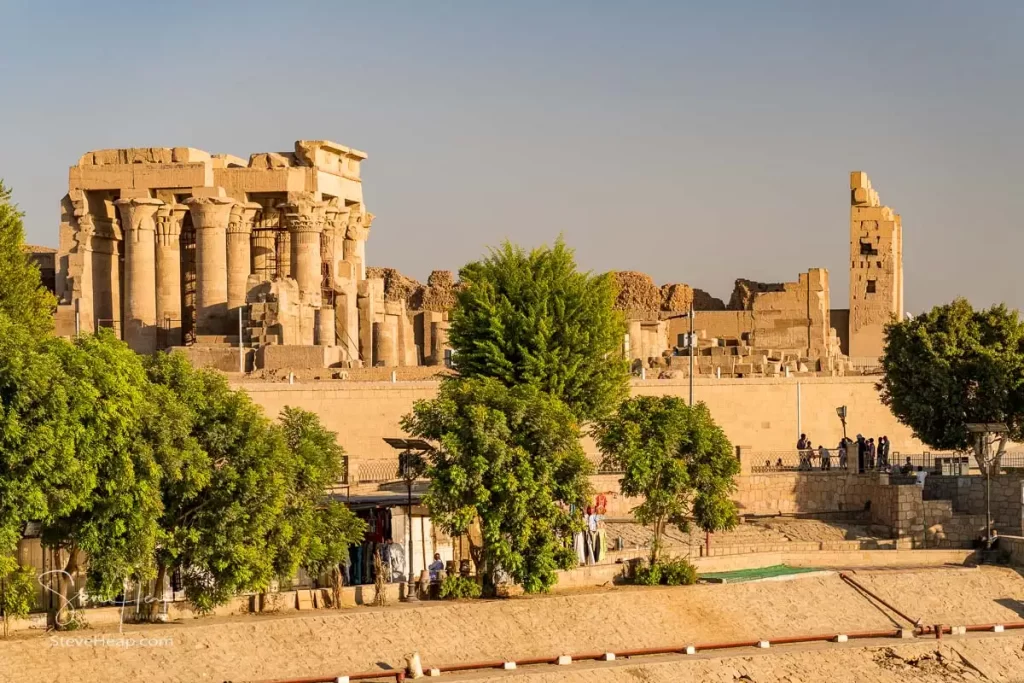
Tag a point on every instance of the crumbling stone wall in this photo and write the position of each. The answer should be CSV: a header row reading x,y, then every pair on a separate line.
x,y
876,270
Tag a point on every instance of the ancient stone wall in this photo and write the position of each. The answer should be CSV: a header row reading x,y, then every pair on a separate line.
x,y
876,269
768,414
172,246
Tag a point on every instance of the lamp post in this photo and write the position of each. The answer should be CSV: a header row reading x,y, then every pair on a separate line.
x,y
689,342
841,412
410,468
983,448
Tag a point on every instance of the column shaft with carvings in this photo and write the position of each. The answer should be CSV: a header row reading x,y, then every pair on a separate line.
x,y
304,220
210,218
239,260
355,240
168,274
138,219
80,265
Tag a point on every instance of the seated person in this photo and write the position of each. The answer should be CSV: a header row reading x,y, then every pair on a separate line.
x,y
435,567
907,468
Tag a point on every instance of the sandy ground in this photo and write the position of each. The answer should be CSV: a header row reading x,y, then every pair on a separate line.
x,y
994,659
361,639
772,530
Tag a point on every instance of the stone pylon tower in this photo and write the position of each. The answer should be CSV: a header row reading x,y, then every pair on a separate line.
x,y
876,270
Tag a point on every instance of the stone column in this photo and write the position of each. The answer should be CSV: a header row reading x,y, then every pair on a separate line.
x,y
304,220
168,274
326,326
210,219
239,261
137,217
82,287
263,255
355,240
283,246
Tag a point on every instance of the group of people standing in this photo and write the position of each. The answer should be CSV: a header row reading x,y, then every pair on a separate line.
x,y
868,455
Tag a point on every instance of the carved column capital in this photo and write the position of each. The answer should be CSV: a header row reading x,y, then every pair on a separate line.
x,y
359,225
303,215
138,215
210,212
168,223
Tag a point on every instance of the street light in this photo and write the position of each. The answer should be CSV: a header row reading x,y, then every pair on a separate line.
x,y
411,466
979,430
841,412
689,343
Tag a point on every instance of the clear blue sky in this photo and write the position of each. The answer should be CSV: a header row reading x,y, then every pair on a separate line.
x,y
696,141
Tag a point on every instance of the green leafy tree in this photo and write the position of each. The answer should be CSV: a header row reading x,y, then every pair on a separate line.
x,y
954,366
247,504
17,595
22,296
507,468
530,318
315,533
112,412
676,459
218,525
41,475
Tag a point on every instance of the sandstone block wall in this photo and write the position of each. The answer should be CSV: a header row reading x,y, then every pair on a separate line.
x,y
876,269
758,412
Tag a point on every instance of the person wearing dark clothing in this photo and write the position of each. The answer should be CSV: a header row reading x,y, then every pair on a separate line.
x,y
869,459
861,447
883,453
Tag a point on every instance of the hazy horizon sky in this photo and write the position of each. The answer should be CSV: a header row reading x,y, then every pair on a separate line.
x,y
696,142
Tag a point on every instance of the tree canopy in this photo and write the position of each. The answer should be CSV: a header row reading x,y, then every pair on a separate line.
x,y
954,366
531,318
508,459
23,299
676,459
248,506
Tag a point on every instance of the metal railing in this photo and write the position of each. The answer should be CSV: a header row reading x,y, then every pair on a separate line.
x,y
602,466
377,471
943,463
811,460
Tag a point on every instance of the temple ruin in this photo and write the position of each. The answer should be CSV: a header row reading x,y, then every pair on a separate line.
x,y
178,247
261,264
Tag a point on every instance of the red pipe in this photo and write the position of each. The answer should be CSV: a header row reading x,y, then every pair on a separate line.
x,y
845,577
988,627
399,676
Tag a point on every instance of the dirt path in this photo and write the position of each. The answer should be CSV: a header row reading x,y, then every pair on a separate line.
x,y
327,642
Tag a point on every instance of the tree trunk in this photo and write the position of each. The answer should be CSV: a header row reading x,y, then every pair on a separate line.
x,y
336,587
65,612
157,606
656,543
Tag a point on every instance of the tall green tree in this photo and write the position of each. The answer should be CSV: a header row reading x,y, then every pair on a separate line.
x,y
22,296
676,459
315,532
248,504
507,468
954,366
117,454
40,473
531,318
218,525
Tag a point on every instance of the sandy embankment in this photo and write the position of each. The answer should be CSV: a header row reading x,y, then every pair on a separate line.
x,y
327,642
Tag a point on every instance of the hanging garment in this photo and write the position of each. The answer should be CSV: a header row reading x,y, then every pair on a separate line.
x,y
580,548
588,544
600,545
397,560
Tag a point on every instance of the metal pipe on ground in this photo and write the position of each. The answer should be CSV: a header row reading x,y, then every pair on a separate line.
x,y
399,676
847,578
